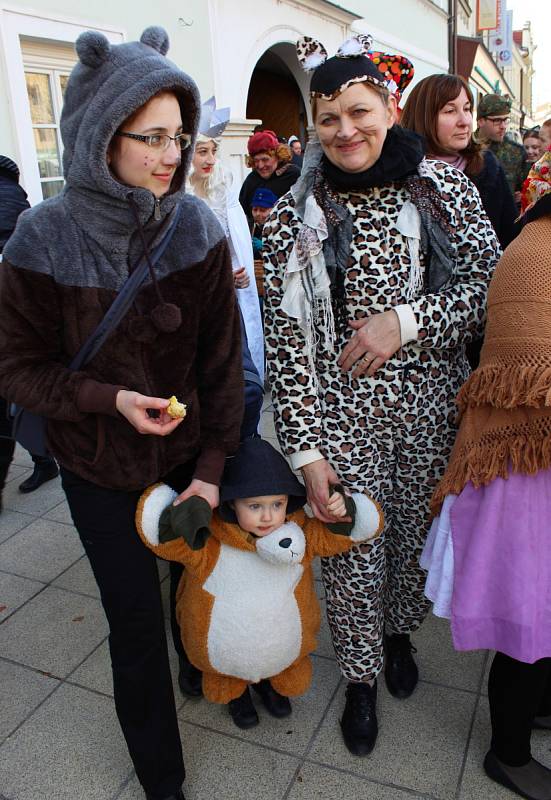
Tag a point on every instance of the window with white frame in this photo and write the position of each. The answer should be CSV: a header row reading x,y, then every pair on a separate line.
x,y
47,69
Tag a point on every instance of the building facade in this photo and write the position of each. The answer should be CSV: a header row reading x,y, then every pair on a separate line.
x,y
244,53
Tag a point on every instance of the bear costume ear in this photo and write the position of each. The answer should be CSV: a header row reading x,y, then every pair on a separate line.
x,y
358,45
157,38
310,53
93,48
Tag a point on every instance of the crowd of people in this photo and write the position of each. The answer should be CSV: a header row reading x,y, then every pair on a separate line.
x,y
384,286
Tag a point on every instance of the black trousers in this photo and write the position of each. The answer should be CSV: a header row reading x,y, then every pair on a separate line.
x,y
127,577
517,693
7,444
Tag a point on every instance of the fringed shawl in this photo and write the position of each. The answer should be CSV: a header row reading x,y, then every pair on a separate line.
x,y
505,405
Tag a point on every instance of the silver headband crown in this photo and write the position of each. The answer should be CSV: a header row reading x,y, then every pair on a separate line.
x,y
213,120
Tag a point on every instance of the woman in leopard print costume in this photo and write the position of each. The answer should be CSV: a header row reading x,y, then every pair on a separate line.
x,y
377,267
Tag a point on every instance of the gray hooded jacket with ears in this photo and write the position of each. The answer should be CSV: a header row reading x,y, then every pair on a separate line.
x,y
71,254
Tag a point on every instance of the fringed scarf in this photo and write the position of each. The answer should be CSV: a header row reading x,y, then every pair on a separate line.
x,y
314,287
505,405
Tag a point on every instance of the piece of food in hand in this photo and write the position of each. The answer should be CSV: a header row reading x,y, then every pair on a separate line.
x,y
175,409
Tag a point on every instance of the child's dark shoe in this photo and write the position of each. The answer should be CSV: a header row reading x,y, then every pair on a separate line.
x,y
242,711
275,704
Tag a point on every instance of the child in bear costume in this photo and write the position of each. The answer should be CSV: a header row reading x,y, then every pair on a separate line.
x,y
246,604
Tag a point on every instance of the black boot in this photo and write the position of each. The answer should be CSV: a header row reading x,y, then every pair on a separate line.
x,y
190,679
275,704
532,780
45,469
401,671
178,796
359,720
242,711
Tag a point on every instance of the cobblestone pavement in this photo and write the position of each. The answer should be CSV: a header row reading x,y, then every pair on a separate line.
x,y
60,740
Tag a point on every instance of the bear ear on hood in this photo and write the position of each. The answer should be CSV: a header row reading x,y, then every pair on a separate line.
x,y
157,38
93,48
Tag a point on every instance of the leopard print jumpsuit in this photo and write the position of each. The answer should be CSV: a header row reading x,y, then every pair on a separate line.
x,y
390,434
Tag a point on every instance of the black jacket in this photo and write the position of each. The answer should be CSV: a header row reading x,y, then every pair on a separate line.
x,y
497,198
279,185
13,200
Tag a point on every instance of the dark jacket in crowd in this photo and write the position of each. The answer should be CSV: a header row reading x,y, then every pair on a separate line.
x,y
279,182
497,198
13,199
499,205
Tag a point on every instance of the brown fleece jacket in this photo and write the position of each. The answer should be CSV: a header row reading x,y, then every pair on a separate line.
x,y
46,314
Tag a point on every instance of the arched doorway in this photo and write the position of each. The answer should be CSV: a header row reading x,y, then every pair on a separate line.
x,y
274,95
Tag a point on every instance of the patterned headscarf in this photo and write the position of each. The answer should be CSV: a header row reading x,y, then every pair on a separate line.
x,y
538,182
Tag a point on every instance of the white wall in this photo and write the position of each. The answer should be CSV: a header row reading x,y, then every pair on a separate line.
x,y
63,22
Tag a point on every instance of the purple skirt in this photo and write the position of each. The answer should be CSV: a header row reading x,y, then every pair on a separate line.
x,y
499,565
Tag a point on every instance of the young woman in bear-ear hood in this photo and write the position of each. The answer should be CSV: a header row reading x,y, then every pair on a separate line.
x,y
128,126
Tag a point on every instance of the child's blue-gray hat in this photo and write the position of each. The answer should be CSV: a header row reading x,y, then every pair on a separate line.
x,y
257,470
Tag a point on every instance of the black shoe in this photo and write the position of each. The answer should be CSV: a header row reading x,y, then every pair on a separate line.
x,y
532,781
178,796
401,673
242,711
41,473
275,704
359,720
190,679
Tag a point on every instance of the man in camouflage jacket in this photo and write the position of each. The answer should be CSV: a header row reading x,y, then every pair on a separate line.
x,y
493,117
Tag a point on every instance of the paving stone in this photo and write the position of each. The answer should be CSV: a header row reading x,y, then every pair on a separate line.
x,y
79,578
163,568
420,745
12,521
220,767
22,457
18,473
15,591
71,747
41,551
95,673
267,427
46,497
54,631
60,513
475,785
291,734
318,783
438,661
21,690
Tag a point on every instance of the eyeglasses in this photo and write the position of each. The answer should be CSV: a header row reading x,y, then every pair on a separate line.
x,y
499,120
160,141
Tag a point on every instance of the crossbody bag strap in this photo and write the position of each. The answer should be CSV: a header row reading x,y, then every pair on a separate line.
x,y
124,299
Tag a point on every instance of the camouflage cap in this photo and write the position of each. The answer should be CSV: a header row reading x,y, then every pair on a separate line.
x,y
494,104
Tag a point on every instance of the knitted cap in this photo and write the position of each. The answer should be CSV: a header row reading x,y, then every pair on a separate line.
x,y
9,166
261,142
258,470
493,104
108,84
264,198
